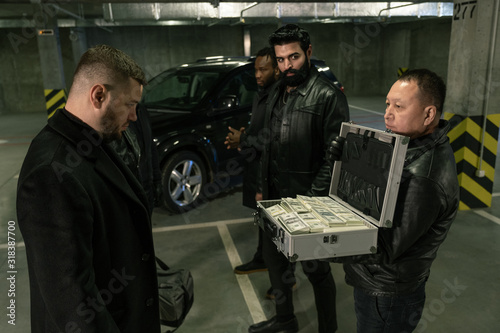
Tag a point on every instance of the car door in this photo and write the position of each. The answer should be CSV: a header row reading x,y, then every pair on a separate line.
x,y
239,87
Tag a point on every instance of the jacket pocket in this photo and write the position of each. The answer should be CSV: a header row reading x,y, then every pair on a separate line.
x,y
314,109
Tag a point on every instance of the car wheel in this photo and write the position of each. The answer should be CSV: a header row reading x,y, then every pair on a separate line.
x,y
183,178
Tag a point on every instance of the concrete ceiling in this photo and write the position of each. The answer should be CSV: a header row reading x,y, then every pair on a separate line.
x,y
69,13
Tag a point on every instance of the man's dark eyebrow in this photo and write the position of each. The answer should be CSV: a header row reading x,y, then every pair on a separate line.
x,y
288,56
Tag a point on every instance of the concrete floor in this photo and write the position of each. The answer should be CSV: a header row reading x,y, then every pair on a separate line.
x,y
462,292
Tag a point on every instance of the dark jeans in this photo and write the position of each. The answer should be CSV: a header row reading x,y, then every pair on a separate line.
x,y
388,314
282,280
257,257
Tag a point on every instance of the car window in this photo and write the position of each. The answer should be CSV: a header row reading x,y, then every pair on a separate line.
x,y
242,86
180,89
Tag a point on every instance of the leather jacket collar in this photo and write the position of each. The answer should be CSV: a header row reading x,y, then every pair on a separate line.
x,y
419,146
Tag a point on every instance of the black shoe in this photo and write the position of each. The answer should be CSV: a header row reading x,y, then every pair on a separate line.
x,y
250,267
273,326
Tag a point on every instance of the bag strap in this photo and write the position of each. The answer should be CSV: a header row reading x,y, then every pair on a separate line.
x,y
162,264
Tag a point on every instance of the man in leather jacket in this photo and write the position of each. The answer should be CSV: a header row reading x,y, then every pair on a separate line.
x,y
250,142
389,286
303,114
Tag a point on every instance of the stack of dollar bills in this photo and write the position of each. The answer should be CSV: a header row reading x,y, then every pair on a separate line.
x,y
312,214
293,205
293,223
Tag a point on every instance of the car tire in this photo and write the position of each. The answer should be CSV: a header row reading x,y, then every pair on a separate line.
x,y
183,179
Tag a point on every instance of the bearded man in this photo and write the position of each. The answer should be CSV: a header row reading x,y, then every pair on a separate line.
x,y
83,214
304,113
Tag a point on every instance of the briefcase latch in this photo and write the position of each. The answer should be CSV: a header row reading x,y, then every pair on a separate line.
x,y
331,239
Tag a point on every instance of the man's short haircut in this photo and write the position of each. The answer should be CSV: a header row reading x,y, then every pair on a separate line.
x,y
104,62
268,52
288,34
432,87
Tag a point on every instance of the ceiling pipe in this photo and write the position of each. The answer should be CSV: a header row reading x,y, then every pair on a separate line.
x,y
67,12
242,20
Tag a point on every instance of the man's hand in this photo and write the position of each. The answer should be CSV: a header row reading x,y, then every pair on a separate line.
x,y
258,196
334,152
233,137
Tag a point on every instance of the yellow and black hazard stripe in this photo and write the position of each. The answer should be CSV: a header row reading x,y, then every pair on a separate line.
x,y
401,70
54,99
465,138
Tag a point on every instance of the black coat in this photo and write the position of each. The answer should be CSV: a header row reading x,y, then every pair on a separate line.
x,y
310,122
87,231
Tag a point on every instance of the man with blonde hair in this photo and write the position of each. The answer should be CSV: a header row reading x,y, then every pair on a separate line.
x,y
83,215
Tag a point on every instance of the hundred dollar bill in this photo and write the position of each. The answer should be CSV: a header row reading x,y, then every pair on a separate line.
x,y
331,203
306,201
295,205
328,217
350,218
334,221
314,223
337,209
317,205
309,217
316,226
293,223
324,200
276,210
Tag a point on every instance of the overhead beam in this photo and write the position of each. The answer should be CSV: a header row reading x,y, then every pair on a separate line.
x,y
181,1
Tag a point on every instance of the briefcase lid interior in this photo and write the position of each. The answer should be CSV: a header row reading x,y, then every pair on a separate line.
x,y
366,179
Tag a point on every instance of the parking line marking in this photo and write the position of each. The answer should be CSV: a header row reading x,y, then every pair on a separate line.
x,y
244,282
363,109
202,225
488,216
175,227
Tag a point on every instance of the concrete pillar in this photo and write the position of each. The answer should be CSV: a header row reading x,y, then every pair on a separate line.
x,y
78,38
49,49
473,99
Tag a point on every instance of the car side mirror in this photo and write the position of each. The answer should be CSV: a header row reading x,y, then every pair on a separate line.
x,y
226,103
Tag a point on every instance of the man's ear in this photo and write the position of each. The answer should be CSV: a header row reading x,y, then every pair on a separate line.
x,y
309,51
430,115
98,94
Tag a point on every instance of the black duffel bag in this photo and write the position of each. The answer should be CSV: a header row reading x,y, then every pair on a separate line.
x,y
176,294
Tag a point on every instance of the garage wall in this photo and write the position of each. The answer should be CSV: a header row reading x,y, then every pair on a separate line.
x,y
365,57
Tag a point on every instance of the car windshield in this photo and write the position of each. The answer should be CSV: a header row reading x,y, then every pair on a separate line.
x,y
180,89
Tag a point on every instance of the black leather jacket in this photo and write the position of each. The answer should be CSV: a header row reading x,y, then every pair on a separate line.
x,y
251,143
138,151
427,204
310,122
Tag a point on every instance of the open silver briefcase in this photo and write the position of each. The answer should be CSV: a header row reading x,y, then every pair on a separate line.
x,y
362,198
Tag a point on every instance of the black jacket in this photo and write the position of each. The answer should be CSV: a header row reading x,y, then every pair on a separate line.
x,y
139,153
427,204
87,229
311,121
251,144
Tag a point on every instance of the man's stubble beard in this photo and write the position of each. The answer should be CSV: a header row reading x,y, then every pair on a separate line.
x,y
109,125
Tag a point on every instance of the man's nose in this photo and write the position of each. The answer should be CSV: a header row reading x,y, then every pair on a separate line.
x,y
288,64
388,113
132,116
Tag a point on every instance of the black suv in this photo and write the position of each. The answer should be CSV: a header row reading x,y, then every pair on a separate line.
x,y
191,107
